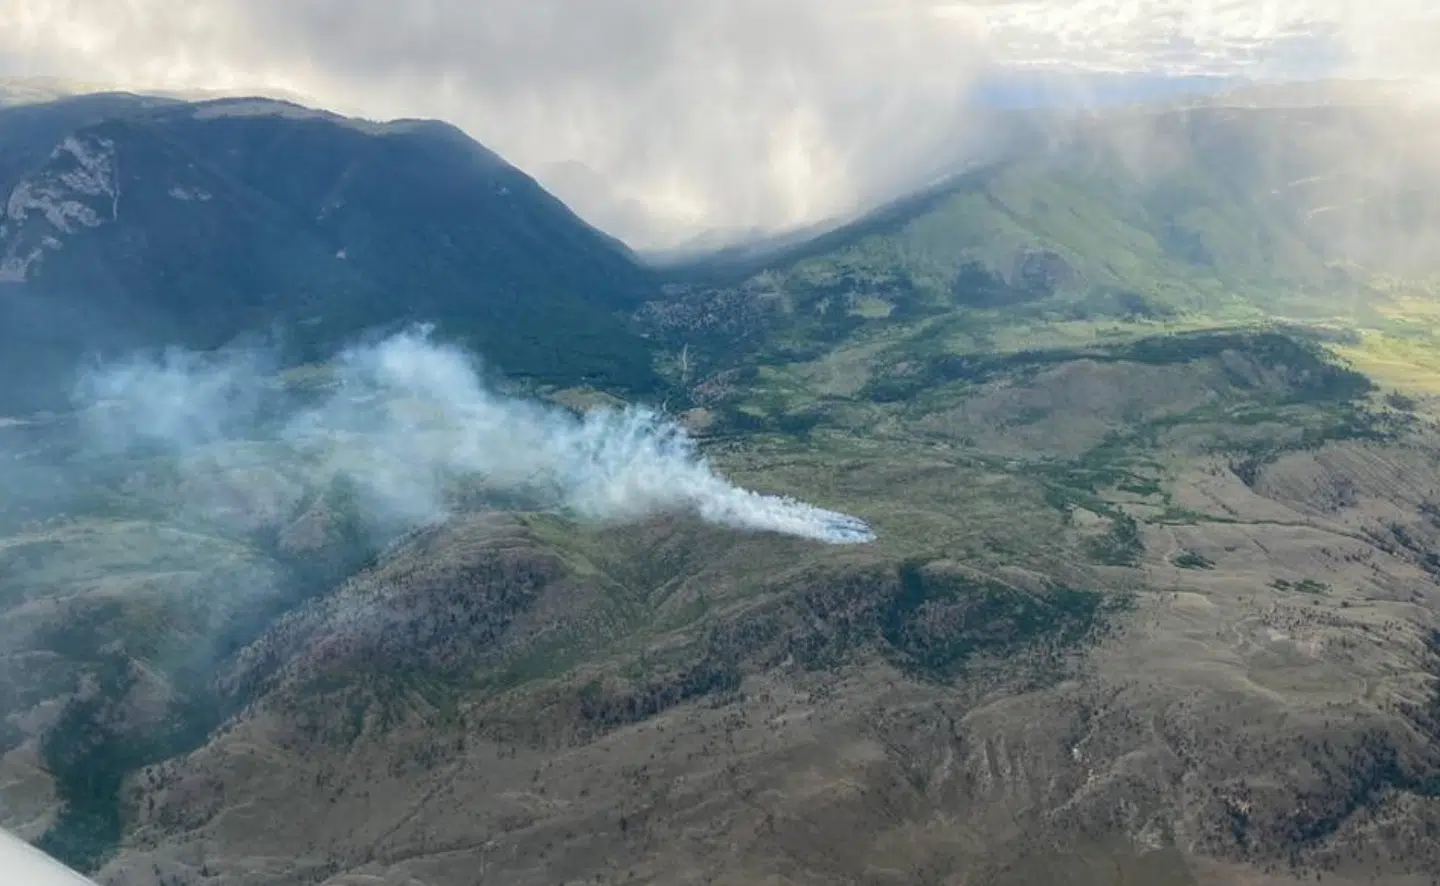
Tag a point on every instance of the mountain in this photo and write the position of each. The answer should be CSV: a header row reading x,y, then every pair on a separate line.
x,y
1145,416
1184,215
1060,87
136,222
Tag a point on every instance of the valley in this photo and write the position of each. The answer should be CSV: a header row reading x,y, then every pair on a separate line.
x,y
1154,472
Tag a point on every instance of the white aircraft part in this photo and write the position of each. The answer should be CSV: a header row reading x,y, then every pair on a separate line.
x,y
23,865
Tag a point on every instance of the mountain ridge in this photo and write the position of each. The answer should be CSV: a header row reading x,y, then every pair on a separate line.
x,y
191,170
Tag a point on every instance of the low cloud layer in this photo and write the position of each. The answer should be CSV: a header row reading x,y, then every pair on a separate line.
x,y
407,419
660,119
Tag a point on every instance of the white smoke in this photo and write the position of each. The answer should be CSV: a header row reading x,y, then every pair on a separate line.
x,y
180,398
408,417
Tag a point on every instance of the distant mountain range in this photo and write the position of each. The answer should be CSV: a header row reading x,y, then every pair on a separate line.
x,y
137,221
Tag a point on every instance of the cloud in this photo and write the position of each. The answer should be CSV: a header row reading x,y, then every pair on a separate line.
x,y
1263,38
724,112
707,113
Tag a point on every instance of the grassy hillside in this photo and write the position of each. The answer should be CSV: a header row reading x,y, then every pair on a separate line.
x,y
1160,554
1202,217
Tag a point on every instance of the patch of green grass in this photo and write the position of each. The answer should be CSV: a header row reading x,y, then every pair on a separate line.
x,y
1304,586
937,623
1402,363
541,661
1192,560
1121,545
89,760
1173,515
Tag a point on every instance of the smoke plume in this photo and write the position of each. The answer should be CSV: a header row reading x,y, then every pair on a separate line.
x,y
407,418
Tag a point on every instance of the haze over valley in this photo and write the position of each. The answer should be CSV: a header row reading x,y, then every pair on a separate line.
x,y
785,443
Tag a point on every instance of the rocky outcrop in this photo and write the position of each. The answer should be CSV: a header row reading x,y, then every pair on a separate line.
x,y
77,188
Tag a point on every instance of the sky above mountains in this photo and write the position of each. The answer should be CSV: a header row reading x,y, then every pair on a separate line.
x,y
658,119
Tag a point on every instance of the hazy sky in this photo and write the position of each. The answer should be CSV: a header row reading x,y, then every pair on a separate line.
x,y
724,113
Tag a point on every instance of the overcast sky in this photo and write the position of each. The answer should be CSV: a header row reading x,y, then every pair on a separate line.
x,y
705,113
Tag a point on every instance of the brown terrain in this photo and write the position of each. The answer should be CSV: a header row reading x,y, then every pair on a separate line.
x,y
1243,686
